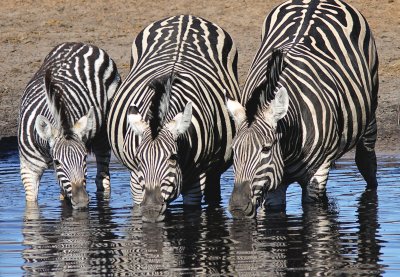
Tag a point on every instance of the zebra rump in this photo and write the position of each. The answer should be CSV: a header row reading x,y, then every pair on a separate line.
x,y
168,123
63,116
310,96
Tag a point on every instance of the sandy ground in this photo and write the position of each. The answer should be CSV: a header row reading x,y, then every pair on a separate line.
x,y
30,29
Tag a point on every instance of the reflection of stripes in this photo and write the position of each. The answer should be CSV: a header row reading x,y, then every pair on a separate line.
x,y
202,58
330,72
73,78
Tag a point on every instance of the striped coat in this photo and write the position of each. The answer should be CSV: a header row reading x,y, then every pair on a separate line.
x,y
310,96
187,61
63,116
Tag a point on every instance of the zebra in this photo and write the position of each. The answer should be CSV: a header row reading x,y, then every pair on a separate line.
x,y
168,122
63,117
310,96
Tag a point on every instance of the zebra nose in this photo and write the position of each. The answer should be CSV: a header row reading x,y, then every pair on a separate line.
x,y
153,206
240,204
247,211
153,213
80,198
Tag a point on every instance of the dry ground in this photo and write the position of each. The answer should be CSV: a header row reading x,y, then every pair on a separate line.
x,y
30,29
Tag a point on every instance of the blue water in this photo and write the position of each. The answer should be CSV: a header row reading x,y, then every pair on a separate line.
x,y
356,234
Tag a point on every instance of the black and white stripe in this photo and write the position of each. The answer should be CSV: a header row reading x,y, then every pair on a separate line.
x,y
63,116
168,122
310,96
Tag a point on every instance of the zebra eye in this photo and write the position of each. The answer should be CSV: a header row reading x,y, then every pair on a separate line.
x,y
57,162
174,157
266,149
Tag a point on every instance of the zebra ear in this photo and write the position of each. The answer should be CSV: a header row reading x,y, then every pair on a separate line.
x,y
279,106
136,121
44,128
84,125
236,111
181,121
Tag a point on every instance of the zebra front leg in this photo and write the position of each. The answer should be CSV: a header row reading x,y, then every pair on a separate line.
x,y
102,152
193,195
30,179
315,189
275,200
136,189
212,189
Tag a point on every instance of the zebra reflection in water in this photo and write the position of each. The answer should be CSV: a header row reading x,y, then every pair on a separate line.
x,y
201,242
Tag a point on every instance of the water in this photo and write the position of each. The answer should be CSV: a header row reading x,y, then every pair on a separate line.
x,y
356,234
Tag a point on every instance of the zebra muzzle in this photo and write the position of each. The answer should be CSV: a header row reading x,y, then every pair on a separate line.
x,y
79,198
153,213
241,204
246,211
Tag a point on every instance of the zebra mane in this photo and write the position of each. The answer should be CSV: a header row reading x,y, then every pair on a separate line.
x,y
264,92
56,105
160,102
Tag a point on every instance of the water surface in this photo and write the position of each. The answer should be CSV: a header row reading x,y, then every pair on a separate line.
x,y
356,234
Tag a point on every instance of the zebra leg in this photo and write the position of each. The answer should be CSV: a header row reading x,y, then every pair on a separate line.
x,y
193,195
366,157
315,189
30,178
102,151
136,189
275,200
212,190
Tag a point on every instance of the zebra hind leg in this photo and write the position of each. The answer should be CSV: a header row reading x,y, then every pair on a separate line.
x,y
366,157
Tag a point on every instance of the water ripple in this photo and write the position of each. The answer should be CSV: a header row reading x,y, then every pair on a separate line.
x,y
356,233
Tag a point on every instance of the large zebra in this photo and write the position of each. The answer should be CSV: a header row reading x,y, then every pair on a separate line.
x,y
63,116
168,122
310,96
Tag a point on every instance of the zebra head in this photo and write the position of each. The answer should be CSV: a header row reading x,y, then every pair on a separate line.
x,y
158,159
67,145
257,158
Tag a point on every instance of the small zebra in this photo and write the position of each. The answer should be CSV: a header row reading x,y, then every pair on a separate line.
x,y
310,96
63,117
168,121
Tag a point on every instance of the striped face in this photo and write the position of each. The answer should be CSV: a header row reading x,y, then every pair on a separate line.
x,y
258,166
69,158
257,156
159,173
